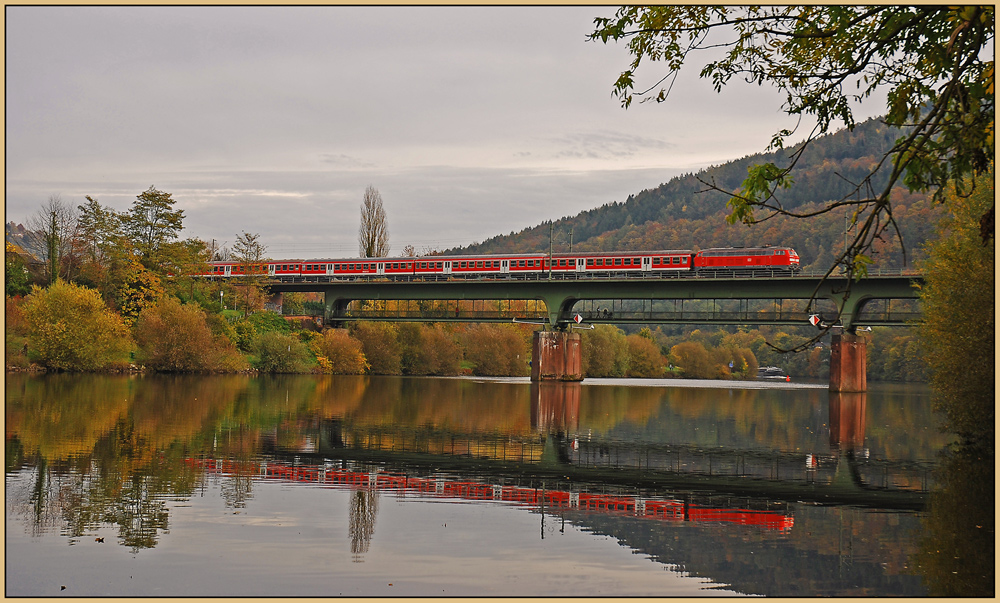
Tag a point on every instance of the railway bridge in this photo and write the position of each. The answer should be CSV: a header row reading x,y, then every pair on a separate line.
x,y
562,305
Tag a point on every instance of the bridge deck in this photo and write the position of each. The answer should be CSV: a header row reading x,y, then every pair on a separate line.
x,y
831,297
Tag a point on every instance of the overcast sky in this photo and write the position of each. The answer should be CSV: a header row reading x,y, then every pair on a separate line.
x,y
470,121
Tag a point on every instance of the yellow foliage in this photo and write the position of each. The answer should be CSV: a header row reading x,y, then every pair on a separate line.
x,y
71,329
339,353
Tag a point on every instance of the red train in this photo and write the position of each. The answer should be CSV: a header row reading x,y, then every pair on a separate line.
x,y
737,261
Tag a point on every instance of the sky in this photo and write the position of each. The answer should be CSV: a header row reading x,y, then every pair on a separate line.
x,y
469,121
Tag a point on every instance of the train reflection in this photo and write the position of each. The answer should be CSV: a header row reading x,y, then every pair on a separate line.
x,y
666,509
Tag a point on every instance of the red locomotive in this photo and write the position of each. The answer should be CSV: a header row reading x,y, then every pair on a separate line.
x,y
731,261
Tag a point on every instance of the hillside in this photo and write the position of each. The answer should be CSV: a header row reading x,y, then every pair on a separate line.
x,y
681,214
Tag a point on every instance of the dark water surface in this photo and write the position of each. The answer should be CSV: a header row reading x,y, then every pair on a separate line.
x,y
383,486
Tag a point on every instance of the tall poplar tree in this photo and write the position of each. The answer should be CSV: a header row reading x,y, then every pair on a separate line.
x,y
373,234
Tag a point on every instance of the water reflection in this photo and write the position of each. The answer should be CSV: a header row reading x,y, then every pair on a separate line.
x,y
86,452
957,549
364,511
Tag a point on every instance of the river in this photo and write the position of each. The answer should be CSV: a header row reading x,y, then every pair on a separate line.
x,y
401,486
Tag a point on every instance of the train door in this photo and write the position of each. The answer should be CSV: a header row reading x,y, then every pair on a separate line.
x,y
647,264
329,269
504,266
229,270
581,264
380,268
447,267
270,269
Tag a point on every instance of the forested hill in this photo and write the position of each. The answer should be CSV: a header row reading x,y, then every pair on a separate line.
x,y
682,214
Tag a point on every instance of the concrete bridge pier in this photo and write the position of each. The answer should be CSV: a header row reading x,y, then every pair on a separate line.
x,y
848,357
555,356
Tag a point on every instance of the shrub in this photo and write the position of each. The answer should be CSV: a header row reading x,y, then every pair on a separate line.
x,y
175,337
245,336
428,350
497,350
645,360
605,352
380,342
339,353
281,353
441,353
269,321
693,359
71,329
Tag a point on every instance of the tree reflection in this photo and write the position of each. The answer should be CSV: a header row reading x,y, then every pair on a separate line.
x,y
957,550
361,526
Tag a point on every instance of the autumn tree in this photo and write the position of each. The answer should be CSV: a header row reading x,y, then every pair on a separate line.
x,y
136,289
339,353
604,352
249,252
958,331
373,234
936,62
380,344
497,350
428,350
693,360
645,360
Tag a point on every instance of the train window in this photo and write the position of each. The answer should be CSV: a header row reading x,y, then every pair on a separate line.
x,y
439,265
656,261
628,261
462,265
423,265
562,262
590,261
496,263
684,260
520,263
350,266
600,261
618,261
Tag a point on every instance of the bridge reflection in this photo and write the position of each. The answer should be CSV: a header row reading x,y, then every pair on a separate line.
x,y
556,445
